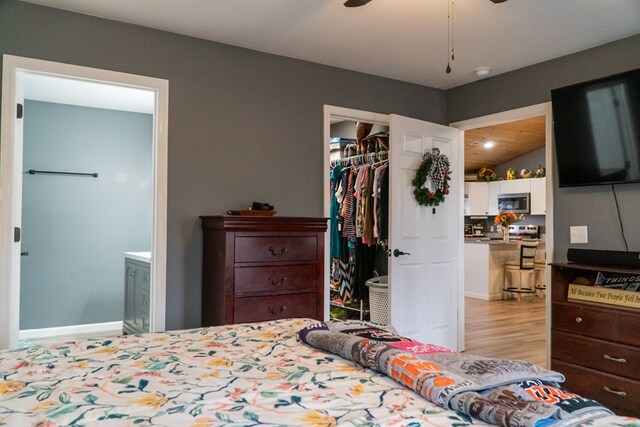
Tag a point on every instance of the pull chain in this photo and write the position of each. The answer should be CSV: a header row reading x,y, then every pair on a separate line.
x,y
450,34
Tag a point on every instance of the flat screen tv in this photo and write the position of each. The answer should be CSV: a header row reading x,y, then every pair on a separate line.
x,y
597,131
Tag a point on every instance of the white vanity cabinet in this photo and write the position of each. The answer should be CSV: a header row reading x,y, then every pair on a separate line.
x,y
137,292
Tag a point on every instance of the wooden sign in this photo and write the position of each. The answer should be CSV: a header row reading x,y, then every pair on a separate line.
x,y
604,295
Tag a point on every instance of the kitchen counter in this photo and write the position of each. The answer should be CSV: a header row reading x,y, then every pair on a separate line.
x,y
484,261
139,256
488,241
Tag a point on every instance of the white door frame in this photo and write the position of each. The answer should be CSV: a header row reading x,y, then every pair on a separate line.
x,y
10,182
543,109
333,112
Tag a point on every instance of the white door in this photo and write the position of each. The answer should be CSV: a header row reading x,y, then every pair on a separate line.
x,y
424,283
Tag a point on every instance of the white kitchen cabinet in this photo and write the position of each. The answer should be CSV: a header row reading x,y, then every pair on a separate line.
x,y
538,196
515,186
492,202
478,198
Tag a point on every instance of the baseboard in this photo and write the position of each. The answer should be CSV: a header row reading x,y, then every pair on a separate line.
x,y
477,295
97,328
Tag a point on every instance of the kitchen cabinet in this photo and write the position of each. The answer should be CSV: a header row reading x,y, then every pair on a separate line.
x,y
515,186
607,367
492,202
538,196
262,268
478,197
137,280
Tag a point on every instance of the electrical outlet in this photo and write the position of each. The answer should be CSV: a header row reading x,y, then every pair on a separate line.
x,y
578,234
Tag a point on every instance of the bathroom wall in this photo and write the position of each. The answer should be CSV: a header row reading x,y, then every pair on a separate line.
x,y
76,228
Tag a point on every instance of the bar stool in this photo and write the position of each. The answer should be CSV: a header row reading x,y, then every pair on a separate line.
x,y
540,267
525,266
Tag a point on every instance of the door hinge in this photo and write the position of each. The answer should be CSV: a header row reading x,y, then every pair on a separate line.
x,y
19,113
16,234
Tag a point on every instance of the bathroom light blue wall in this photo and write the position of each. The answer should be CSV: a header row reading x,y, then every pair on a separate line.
x,y
76,228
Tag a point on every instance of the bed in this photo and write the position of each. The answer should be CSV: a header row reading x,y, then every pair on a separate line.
x,y
249,374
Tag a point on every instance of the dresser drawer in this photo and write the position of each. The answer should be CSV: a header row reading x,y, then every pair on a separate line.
x,y
276,248
274,279
627,328
258,309
584,320
618,394
600,355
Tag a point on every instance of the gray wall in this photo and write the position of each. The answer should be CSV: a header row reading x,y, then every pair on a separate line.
x,y
591,206
529,161
243,125
76,228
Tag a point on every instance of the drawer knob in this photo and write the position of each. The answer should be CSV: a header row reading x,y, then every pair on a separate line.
x,y
578,319
275,283
274,252
615,359
616,392
276,312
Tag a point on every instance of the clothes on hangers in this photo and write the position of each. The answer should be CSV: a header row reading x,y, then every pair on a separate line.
x,y
360,193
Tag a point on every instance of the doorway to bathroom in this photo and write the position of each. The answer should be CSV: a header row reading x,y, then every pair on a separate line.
x,y
84,166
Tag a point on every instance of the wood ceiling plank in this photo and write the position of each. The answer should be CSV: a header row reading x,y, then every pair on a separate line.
x,y
512,139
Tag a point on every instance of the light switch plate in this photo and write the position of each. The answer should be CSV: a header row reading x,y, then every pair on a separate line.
x,y
578,234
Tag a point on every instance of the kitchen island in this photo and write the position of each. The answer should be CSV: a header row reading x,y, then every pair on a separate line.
x,y
484,261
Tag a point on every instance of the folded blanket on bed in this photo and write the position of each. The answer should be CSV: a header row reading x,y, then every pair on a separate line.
x,y
503,392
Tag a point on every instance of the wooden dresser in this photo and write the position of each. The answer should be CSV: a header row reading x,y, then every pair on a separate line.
x,y
262,268
596,346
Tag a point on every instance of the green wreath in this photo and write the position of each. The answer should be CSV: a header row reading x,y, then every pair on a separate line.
x,y
424,196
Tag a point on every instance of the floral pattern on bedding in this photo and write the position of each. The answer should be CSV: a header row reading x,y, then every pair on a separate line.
x,y
252,374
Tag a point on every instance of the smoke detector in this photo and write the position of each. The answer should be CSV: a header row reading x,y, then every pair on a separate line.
x,y
482,72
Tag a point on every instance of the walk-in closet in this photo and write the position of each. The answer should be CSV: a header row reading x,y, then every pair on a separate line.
x,y
359,221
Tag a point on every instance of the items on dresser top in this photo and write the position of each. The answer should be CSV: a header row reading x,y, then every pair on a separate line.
x,y
262,268
596,346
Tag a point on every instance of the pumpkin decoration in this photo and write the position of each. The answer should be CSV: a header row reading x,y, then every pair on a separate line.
x,y
487,174
526,173
511,174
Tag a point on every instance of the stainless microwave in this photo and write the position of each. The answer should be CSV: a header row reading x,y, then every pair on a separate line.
x,y
514,202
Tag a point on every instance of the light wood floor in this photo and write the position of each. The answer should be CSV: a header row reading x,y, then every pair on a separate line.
x,y
506,329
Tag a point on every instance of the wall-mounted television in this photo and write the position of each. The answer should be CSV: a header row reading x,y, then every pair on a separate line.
x,y
597,131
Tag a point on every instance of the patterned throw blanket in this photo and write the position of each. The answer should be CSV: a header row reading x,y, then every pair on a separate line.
x,y
502,392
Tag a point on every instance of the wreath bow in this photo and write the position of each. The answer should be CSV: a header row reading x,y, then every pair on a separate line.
x,y
435,166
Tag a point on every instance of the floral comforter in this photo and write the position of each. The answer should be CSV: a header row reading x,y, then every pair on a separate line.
x,y
253,374
240,375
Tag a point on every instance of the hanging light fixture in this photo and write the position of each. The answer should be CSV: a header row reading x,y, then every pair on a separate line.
x,y
450,35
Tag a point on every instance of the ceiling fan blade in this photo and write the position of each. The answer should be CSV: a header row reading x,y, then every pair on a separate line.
x,y
498,1
356,3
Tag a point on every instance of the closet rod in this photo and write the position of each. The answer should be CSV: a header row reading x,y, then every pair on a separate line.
x,y
33,172
360,159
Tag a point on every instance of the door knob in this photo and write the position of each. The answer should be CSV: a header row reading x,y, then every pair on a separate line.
x,y
398,252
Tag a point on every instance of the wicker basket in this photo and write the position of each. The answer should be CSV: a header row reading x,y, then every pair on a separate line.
x,y
379,299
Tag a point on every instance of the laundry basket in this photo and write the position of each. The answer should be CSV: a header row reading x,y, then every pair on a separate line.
x,y
379,299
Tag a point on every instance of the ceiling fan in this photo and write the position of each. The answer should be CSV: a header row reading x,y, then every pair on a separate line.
x,y
357,3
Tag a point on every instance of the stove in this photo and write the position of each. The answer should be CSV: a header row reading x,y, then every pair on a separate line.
x,y
524,230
